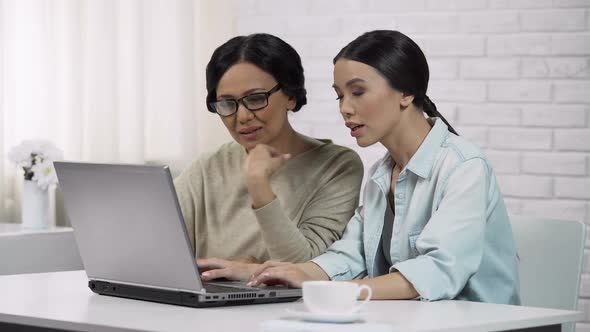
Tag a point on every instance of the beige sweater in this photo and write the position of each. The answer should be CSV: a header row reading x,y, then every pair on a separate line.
x,y
317,192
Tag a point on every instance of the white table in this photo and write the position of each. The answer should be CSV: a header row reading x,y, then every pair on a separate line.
x,y
11,229
62,300
28,251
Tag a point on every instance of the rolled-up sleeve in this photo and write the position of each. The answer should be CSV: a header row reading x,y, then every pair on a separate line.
x,y
450,247
345,258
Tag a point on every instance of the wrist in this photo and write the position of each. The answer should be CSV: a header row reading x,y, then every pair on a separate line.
x,y
314,271
260,192
251,268
257,180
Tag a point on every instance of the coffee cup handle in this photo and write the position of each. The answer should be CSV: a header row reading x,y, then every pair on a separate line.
x,y
367,299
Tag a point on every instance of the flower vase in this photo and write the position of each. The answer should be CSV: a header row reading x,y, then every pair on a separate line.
x,y
35,206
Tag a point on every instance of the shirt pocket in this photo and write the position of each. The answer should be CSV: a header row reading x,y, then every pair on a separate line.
x,y
412,238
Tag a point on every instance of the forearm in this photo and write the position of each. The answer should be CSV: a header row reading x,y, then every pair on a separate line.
x,y
314,271
260,191
284,240
391,286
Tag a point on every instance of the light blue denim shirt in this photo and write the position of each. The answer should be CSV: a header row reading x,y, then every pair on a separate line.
x,y
451,238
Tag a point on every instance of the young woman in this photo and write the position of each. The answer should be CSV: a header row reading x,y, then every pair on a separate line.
x,y
273,193
433,224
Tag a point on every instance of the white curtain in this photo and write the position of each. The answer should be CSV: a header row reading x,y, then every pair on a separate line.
x,y
106,81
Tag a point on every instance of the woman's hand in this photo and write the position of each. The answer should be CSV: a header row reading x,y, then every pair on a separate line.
x,y
260,164
292,275
262,161
215,268
248,259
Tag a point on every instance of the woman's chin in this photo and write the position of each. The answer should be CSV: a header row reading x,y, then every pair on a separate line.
x,y
363,142
249,145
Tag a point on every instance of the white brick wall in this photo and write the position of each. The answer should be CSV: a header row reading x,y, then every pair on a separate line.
x,y
554,163
506,162
574,187
568,116
454,91
453,45
570,44
520,138
521,4
560,209
518,44
572,139
490,114
566,67
490,68
519,91
554,20
526,185
568,91
513,76
484,21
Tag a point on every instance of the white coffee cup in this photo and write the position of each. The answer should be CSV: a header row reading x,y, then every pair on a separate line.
x,y
334,297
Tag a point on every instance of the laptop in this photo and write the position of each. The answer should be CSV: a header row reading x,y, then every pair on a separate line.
x,y
133,241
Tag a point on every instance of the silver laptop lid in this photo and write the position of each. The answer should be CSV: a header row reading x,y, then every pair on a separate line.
x,y
128,224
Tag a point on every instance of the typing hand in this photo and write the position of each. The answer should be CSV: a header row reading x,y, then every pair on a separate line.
x,y
273,273
248,259
215,268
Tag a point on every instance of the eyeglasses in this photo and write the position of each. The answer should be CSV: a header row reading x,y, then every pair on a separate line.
x,y
253,102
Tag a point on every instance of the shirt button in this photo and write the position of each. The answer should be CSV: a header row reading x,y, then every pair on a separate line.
x,y
401,196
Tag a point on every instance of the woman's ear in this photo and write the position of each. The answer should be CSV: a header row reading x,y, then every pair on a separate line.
x,y
406,100
291,103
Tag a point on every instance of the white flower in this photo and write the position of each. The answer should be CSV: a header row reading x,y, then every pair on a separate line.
x,y
31,155
44,174
22,153
47,150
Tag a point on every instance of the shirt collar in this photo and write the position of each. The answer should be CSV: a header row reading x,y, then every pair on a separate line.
x,y
422,161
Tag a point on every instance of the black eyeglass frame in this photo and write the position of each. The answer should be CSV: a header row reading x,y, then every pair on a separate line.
x,y
237,102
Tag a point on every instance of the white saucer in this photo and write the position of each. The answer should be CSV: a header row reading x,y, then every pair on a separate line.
x,y
326,318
